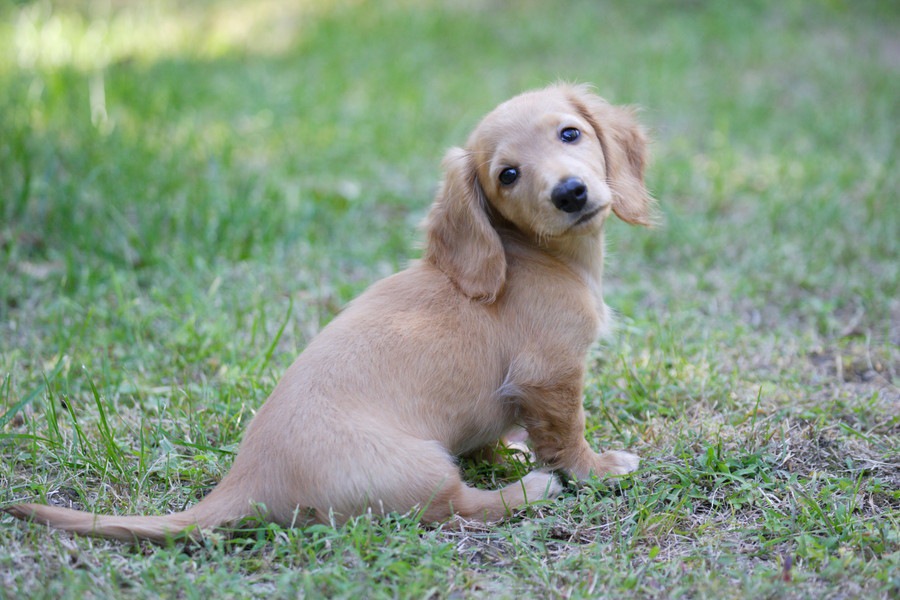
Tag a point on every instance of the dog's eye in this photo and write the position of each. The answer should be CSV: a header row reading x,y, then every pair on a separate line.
x,y
569,135
508,176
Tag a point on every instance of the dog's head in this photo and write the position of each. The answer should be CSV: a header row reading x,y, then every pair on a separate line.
x,y
551,163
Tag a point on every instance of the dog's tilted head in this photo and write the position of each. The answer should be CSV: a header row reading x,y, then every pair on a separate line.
x,y
551,163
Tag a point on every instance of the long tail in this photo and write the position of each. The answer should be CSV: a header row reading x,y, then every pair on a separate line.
x,y
218,508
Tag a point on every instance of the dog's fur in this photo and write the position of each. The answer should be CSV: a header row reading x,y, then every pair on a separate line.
x,y
488,332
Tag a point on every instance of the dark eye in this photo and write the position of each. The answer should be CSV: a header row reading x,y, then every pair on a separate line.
x,y
569,135
508,176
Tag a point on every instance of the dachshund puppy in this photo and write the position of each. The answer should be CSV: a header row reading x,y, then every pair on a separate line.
x,y
486,334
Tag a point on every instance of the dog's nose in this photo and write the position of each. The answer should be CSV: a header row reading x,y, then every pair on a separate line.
x,y
569,195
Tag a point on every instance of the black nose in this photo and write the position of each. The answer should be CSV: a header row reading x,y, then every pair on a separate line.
x,y
569,195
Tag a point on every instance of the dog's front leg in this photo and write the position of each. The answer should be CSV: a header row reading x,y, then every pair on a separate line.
x,y
554,417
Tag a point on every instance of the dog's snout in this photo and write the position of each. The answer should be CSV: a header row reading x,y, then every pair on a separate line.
x,y
569,195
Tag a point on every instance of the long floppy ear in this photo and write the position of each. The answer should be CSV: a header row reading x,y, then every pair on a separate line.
x,y
625,148
461,241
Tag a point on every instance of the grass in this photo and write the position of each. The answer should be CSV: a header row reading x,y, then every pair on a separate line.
x,y
190,191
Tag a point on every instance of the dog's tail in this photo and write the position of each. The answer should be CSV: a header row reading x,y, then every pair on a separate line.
x,y
220,507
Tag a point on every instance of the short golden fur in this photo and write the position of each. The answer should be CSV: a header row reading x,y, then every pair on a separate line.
x,y
487,333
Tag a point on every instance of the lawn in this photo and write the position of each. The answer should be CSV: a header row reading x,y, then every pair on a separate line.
x,y
189,191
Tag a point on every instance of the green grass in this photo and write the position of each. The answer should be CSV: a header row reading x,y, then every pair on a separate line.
x,y
190,191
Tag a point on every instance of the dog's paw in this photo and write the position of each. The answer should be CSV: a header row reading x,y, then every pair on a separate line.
x,y
615,462
519,452
541,485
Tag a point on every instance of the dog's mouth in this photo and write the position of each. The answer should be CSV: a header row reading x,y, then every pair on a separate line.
x,y
589,216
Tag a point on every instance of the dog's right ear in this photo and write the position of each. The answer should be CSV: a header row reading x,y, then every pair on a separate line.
x,y
461,240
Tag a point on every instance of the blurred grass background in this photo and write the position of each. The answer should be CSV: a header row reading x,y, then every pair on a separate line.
x,y
189,191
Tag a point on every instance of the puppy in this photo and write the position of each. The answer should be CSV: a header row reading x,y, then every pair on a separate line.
x,y
486,334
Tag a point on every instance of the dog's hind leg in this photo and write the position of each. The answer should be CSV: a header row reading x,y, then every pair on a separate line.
x,y
418,474
457,498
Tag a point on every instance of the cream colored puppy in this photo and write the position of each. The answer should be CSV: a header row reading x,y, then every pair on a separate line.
x,y
488,332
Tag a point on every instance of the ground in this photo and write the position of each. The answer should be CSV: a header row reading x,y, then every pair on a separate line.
x,y
189,191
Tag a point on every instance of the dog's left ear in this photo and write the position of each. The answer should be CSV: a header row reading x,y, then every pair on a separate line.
x,y
461,240
625,148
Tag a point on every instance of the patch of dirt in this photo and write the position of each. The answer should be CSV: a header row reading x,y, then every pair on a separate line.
x,y
855,365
